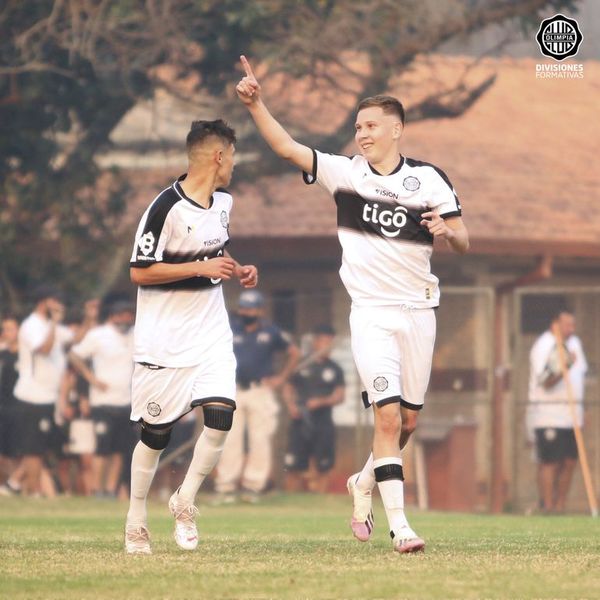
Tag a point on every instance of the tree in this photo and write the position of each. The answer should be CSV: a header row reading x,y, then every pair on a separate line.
x,y
70,70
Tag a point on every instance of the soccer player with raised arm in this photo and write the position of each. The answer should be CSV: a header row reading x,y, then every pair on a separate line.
x,y
183,345
389,210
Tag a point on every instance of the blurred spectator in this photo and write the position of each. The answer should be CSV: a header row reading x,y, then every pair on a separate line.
x,y
9,346
109,347
310,396
74,469
41,364
255,344
549,417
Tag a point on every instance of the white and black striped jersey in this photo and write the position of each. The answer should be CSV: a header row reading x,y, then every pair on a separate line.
x,y
386,251
177,323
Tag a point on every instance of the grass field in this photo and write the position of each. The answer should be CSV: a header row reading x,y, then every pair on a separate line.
x,y
291,547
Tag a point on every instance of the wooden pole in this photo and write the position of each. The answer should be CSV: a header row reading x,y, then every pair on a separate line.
x,y
585,468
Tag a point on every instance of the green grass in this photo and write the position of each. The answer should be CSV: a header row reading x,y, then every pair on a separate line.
x,y
292,547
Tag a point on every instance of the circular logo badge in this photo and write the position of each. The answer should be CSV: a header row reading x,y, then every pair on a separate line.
x,y
559,37
380,384
44,425
412,184
224,219
153,409
550,435
328,375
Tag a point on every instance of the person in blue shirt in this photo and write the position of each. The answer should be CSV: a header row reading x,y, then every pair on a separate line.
x,y
256,344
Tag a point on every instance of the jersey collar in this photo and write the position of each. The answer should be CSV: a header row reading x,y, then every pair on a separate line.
x,y
398,167
177,187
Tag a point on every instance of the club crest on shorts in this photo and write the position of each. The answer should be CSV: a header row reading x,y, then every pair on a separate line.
x,y
153,409
380,384
101,428
412,184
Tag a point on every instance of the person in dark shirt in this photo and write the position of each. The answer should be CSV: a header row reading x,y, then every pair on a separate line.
x,y
9,451
310,396
256,342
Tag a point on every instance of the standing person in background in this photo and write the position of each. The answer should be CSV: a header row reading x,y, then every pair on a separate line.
x,y
109,347
549,417
42,362
255,344
9,352
310,396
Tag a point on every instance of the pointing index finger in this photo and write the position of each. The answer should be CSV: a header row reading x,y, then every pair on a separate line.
x,y
247,67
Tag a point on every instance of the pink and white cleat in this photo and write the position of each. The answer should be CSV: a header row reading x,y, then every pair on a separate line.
x,y
186,532
406,541
362,521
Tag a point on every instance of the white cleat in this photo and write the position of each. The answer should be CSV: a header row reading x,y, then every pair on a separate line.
x,y
362,521
186,532
137,540
406,541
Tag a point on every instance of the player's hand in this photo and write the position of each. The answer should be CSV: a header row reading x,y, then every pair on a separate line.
x,y
294,411
274,382
314,403
68,412
436,225
101,385
248,275
221,267
248,89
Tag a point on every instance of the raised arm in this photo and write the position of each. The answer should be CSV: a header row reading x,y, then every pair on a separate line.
x,y
281,142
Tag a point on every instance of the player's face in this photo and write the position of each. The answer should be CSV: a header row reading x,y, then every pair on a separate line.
x,y
10,331
323,344
377,134
226,165
566,324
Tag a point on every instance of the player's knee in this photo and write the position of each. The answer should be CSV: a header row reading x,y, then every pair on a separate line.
x,y
156,436
218,416
408,427
388,422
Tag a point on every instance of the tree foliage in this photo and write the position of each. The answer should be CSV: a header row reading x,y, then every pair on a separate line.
x,y
71,69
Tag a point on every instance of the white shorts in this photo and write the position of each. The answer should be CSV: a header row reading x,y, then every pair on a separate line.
x,y
163,395
393,349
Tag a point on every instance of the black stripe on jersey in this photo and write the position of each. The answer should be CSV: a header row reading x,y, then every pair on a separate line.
x,y
188,285
310,178
192,283
411,162
179,190
387,220
155,221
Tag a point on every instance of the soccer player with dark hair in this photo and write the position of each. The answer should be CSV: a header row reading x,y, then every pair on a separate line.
x,y
389,210
183,350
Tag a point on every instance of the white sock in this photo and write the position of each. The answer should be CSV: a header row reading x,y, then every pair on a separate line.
x,y
143,467
207,452
392,492
366,479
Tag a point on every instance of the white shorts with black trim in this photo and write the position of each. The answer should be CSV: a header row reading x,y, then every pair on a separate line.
x,y
164,394
393,349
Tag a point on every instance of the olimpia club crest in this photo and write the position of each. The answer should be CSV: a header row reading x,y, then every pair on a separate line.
x,y
559,37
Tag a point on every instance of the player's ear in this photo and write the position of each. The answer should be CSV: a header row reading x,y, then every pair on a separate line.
x,y
397,133
219,156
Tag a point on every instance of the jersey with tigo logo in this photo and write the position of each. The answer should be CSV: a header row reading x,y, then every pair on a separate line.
x,y
177,322
317,380
386,251
255,350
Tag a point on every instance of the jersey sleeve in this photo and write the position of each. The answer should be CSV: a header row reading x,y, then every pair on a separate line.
x,y
86,348
443,198
33,334
339,376
331,171
539,355
152,235
281,339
